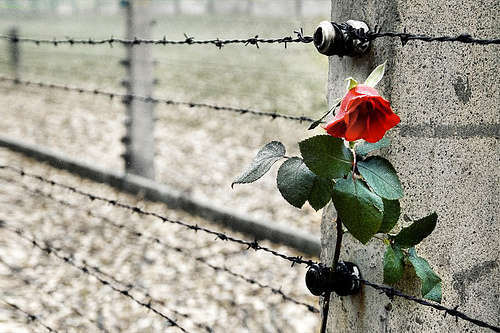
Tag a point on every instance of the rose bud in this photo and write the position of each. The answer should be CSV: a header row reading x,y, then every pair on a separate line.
x,y
363,114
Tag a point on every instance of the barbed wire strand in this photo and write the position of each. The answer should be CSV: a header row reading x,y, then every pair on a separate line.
x,y
141,235
85,269
30,316
391,292
144,291
219,43
127,98
405,37
27,280
219,235
360,34
138,234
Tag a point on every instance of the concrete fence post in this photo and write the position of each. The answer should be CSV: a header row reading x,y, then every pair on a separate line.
x,y
177,7
210,7
139,140
298,7
446,152
14,54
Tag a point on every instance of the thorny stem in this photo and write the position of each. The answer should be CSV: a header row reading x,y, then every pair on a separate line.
x,y
336,257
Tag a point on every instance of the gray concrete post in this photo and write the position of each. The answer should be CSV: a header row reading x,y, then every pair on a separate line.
x,y
177,7
210,6
139,140
446,152
298,7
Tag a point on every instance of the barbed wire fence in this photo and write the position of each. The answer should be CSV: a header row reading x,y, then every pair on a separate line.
x,y
389,291
126,288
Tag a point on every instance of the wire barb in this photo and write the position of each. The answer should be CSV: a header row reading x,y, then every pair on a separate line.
x,y
156,240
405,36
217,42
85,269
30,316
163,219
391,292
128,98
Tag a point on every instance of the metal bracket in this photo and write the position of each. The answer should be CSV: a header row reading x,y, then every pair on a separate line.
x,y
331,38
344,281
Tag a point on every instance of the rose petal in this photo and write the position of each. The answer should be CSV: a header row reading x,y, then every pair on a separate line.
x,y
336,129
375,127
356,126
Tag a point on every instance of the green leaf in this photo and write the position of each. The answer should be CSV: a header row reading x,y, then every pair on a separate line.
x,y
295,181
393,264
359,209
381,177
326,156
392,209
321,192
351,83
376,75
363,148
416,232
431,283
266,157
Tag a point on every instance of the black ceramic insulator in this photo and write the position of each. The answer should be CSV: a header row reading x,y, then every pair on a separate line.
x,y
331,38
321,279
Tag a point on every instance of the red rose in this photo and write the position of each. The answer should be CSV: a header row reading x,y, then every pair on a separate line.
x,y
363,114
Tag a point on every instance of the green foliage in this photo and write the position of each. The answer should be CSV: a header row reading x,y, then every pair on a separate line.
x,y
416,232
266,157
321,193
351,83
393,264
326,156
297,184
392,210
364,147
431,283
359,209
295,181
381,177
376,75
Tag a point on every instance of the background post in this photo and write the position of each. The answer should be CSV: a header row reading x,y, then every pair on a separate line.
x,y
298,7
139,140
14,53
446,153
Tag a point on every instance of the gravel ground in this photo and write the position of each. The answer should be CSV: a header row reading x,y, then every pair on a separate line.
x,y
199,152
67,300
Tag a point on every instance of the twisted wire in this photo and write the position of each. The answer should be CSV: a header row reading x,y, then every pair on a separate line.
x,y
30,316
26,279
405,37
391,292
85,269
219,235
183,251
128,98
219,43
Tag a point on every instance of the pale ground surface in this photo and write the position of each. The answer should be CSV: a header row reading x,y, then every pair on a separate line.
x,y
199,152
52,289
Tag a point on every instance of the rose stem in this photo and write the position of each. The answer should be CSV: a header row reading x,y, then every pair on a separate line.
x,y
336,256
